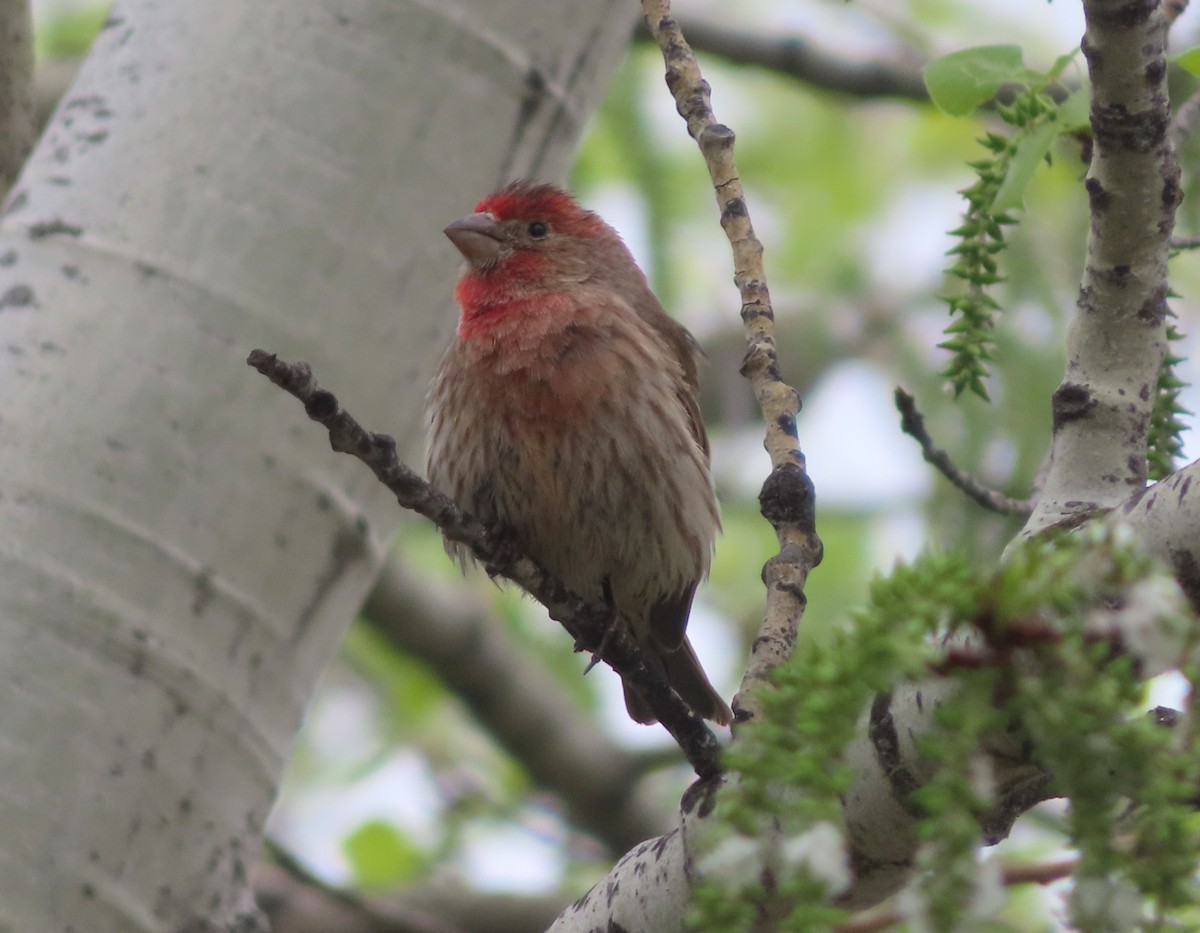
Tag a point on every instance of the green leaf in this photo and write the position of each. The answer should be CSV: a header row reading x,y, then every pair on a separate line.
x,y
69,34
1030,152
1060,64
380,855
961,81
1189,61
1075,113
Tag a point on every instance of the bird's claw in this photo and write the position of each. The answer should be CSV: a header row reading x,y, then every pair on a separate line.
x,y
614,622
506,549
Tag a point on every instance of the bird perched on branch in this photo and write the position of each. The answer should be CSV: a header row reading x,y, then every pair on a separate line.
x,y
565,412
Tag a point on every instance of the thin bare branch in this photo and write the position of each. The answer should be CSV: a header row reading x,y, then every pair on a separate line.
x,y
296,901
884,918
1181,243
912,423
796,57
588,623
1186,119
786,499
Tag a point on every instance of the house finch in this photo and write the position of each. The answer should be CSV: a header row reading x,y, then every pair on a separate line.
x,y
565,413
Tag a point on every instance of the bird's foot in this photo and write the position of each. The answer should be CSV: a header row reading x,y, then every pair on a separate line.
x,y
507,550
610,629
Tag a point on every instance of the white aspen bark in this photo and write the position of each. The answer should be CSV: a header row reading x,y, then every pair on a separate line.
x,y
1166,520
1117,338
647,890
179,549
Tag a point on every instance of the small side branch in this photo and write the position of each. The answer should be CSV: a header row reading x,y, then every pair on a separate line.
x,y
588,623
912,423
787,499
297,902
1013,874
1182,243
1185,120
794,56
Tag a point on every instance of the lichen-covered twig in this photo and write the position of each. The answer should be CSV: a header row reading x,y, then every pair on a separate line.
x,y
787,498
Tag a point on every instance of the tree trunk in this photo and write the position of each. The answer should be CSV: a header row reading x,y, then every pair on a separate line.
x,y
180,550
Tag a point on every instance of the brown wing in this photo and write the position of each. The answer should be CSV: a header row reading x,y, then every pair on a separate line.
x,y
669,618
689,354
636,290
687,398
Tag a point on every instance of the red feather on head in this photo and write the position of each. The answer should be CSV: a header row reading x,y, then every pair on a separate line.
x,y
525,200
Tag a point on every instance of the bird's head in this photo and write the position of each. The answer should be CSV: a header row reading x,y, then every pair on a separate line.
x,y
532,233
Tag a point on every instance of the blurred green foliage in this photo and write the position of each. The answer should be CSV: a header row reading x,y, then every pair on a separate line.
x,y
381,855
68,32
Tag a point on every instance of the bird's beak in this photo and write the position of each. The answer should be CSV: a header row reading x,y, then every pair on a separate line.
x,y
477,238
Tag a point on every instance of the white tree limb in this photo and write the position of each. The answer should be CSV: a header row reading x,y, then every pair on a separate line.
x,y
1117,338
1166,519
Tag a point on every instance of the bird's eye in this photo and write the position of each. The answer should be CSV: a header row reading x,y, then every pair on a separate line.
x,y
537,229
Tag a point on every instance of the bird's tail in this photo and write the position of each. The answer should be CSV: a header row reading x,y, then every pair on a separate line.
x,y
684,674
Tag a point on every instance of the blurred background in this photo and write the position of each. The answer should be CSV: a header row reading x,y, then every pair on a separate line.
x,y
396,780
